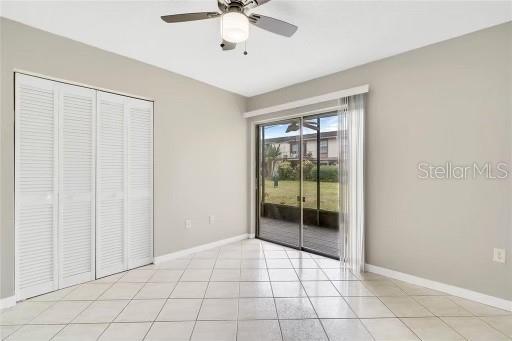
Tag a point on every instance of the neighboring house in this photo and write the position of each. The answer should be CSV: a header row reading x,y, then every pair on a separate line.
x,y
289,146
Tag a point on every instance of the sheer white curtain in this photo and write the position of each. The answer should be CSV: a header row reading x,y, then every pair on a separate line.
x,y
351,147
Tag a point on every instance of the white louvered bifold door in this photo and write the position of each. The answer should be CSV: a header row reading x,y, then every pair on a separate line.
x,y
140,182
111,239
35,186
77,114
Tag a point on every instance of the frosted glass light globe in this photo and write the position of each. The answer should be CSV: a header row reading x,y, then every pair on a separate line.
x,y
234,27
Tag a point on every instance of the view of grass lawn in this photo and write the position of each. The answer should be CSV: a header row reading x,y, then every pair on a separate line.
x,y
287,191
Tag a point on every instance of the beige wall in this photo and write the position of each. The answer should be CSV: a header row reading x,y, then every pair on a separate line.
x,y
451,101
200,139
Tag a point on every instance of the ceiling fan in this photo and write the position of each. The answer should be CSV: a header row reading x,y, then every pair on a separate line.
x,y
235,20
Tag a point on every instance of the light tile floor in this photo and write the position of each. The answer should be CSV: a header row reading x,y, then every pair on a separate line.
x,y
251,290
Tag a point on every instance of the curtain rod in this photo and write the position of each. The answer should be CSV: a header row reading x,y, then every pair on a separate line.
x,y
308,101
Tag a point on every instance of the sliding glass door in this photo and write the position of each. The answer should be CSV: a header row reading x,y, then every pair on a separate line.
x,y
298,183
320,166
279,182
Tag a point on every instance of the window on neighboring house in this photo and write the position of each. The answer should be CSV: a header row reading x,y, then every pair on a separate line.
x,y
324,148
294,150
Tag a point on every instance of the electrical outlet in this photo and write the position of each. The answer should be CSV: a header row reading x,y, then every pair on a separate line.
x,y
188,224
212,219
499,255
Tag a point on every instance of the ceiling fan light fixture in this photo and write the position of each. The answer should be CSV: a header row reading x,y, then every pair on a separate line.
x,y
234,27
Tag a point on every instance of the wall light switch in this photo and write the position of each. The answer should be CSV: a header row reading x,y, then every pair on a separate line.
x,y
499,255
212,219
188,224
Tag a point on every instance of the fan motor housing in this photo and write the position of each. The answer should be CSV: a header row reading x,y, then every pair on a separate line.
x,y
235,6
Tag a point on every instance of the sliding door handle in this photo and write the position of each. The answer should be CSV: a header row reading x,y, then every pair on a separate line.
x,y
303,198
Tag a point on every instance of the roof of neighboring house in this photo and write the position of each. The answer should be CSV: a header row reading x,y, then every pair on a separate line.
x,y
327,134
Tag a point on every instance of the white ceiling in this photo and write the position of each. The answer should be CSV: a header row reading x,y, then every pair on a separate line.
x,y
332,35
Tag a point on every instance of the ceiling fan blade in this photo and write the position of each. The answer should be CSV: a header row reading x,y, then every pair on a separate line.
x,y
223,5
273,25
226,45
294,126
261,2
173,18
310,125
255,3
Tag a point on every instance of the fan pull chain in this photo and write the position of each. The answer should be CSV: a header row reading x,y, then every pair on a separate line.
x,y
245,48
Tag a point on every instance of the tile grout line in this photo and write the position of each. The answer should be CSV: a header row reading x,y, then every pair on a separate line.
x,y
63,326
129,301
435,317
272,290
439,317
204,295
238,298
161,308
343,268
91,302
490,325
42,311
168,296
53,303
478,317
310,302
347,303
410,329
70,322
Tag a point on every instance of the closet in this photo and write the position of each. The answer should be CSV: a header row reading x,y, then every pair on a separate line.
x,y
83,184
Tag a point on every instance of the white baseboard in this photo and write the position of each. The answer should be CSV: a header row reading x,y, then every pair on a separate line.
x,y
7,302
447,288
199,248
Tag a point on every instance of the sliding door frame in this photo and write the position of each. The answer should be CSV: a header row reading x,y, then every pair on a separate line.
x,y
259,185
258,156
317,116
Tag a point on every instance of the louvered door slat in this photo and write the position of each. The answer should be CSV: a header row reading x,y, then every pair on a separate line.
x,y
140,183
35,186
110,175
77,184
